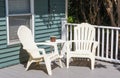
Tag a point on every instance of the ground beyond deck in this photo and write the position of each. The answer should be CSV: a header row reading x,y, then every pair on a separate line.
x,y
76,70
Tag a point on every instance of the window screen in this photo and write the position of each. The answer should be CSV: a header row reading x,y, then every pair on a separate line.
x,y
14,23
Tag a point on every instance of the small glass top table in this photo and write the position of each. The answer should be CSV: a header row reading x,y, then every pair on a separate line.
x,y
62,47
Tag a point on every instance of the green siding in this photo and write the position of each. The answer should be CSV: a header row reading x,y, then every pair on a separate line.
x,y
9,54
9,63
2,8
46,25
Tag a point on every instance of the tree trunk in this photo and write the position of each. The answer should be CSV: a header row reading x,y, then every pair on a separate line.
x,y
109,10
118,8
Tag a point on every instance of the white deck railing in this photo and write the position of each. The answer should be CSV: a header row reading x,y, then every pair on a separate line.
x,y
108,38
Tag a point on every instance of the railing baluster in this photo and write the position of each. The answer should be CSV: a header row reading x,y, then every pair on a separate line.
x,y
71,32
103,32
98,54
111,53
67,33
107,44
116,53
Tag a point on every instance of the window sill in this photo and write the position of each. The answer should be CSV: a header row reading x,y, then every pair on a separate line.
x,y
14,43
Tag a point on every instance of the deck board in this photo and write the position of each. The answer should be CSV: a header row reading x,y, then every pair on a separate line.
x,y
102,70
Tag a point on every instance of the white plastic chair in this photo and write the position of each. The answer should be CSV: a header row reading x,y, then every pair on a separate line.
x,y
27,40
84,43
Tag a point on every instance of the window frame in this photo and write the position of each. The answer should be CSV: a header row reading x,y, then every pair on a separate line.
x,y
23,14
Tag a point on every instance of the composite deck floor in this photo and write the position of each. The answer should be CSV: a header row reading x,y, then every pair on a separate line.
x,y
76,70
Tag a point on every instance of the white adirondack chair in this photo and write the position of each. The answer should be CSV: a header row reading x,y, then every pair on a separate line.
x,y
27,40
84,43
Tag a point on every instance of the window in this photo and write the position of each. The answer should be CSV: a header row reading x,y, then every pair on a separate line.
x,y
18,12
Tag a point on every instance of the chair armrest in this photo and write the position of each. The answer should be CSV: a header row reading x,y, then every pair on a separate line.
x,y
37,54
48,43
54,45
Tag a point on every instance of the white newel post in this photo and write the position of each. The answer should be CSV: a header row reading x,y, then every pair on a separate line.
x,y
63,34
64,29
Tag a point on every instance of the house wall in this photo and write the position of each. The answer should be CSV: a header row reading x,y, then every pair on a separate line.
x,y
47,23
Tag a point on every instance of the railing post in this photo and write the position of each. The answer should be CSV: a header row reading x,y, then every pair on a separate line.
x,y
64,29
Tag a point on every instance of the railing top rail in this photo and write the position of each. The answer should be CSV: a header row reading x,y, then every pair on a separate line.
x,y
96,26
71,24
107,27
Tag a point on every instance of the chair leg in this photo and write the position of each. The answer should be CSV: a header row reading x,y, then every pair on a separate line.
x,y
92,63
60,62
28,64
48,66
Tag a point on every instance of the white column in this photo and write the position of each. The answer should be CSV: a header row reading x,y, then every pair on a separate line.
x,y
63,29
66,9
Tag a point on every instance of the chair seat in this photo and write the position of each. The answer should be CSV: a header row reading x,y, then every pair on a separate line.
x,y
53,56
81,54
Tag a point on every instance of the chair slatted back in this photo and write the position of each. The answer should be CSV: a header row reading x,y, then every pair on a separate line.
x,y
83,35
26,38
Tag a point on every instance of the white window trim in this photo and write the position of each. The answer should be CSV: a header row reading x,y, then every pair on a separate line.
x,y
7,20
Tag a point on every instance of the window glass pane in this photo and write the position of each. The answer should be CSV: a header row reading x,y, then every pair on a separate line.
x,y
19,6
14,23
